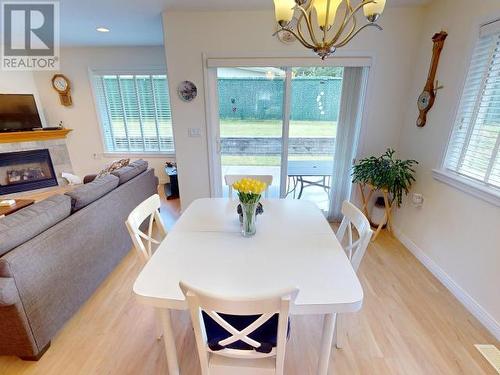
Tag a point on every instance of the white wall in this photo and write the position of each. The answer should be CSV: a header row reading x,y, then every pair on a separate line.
x,y
458,235
249,34
85,139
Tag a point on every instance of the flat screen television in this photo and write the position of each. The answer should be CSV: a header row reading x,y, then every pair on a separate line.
x,y
18,112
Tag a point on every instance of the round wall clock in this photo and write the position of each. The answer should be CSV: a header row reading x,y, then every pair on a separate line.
x,y
187,91
61,84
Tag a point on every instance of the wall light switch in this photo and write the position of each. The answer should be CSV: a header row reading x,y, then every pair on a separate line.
x,y
194,132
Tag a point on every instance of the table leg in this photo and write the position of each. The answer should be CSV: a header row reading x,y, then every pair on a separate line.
x,y
169,340
301,179
326,343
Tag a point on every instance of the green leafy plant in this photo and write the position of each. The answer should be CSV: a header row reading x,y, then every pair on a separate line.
x,y
386,172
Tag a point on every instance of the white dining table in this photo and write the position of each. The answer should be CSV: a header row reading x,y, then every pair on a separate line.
x,y
294,247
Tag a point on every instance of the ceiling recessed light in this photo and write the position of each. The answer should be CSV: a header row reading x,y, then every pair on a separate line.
x,y
103,29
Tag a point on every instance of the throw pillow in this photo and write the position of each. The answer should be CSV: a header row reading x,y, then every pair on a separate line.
x,y
117,164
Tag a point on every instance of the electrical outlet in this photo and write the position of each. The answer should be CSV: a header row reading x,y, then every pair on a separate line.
x,y
417,199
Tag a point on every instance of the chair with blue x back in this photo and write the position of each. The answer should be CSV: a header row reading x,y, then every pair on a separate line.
x,y
244,336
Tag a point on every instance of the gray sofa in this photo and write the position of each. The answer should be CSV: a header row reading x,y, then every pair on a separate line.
x,y
55,253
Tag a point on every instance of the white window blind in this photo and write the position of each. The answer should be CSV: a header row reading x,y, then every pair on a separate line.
x,y
473,151
135,113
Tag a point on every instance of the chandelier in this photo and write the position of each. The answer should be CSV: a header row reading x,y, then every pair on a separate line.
x,y
312,22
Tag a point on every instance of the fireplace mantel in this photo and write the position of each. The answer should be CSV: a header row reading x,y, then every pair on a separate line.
x,y
37,135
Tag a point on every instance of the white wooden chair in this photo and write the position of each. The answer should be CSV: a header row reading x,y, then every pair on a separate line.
x,y
230,179
230,361
355,250
149,209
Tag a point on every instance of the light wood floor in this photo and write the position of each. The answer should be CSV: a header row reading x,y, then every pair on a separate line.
x,y
409,324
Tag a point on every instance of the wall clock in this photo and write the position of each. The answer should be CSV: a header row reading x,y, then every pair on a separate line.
x,y
428,96
187,91
61,84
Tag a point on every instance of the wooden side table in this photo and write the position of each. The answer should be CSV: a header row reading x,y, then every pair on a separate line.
x,y
365,199
20,203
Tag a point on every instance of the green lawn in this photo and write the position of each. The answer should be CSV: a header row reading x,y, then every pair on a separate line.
x,y
241,128
250,128
272,128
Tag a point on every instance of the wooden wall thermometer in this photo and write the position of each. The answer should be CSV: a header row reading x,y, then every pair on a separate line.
x,y
428,95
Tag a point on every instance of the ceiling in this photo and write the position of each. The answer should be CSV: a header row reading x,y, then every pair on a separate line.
x,y
138,22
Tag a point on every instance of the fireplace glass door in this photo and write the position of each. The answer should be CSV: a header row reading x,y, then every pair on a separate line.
x,y
26,170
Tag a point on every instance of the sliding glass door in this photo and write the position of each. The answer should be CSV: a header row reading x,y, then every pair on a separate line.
x,y
283,122
315,102
251,122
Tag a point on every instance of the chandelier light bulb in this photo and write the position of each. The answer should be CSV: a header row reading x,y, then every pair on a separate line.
x,y
324,7
322,36
283,10
372,11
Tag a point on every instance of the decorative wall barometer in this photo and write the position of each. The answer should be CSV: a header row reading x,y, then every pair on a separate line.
x,y
428,96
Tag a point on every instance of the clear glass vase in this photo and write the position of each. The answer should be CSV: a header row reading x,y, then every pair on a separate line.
x,y
249,214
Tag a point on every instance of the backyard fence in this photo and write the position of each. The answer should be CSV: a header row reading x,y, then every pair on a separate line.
x,y
270,146
260,98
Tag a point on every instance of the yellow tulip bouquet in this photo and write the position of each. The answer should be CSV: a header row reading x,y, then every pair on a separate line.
x,y
249,192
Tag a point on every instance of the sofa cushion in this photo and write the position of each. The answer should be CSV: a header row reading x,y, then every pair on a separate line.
x,y
27,223
130,171
140,163
86,194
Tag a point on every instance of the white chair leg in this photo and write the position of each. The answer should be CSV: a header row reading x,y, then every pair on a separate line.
x,y
338,332
326,344
169,341
159,328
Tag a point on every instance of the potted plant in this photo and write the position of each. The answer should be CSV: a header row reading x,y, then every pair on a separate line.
x,y
386,173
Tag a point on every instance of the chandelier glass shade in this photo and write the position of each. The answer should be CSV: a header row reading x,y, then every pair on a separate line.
x,y
325,25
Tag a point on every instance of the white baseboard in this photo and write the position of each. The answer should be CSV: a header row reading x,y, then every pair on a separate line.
x,y
470,303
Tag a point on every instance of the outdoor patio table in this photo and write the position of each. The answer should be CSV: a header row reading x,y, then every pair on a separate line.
x,y
298,169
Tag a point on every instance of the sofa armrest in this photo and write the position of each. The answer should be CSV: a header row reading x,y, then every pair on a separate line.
x,y
8,292
16,337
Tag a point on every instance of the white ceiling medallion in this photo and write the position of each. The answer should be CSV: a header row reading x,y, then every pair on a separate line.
x,y
285,36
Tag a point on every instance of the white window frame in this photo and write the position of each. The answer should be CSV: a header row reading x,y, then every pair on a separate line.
x,y
154,70
470,186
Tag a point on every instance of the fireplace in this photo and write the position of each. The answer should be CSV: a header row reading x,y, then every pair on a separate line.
x,y
26,170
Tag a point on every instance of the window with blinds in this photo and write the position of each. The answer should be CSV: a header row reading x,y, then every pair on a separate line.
x,y
473,151
135,113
